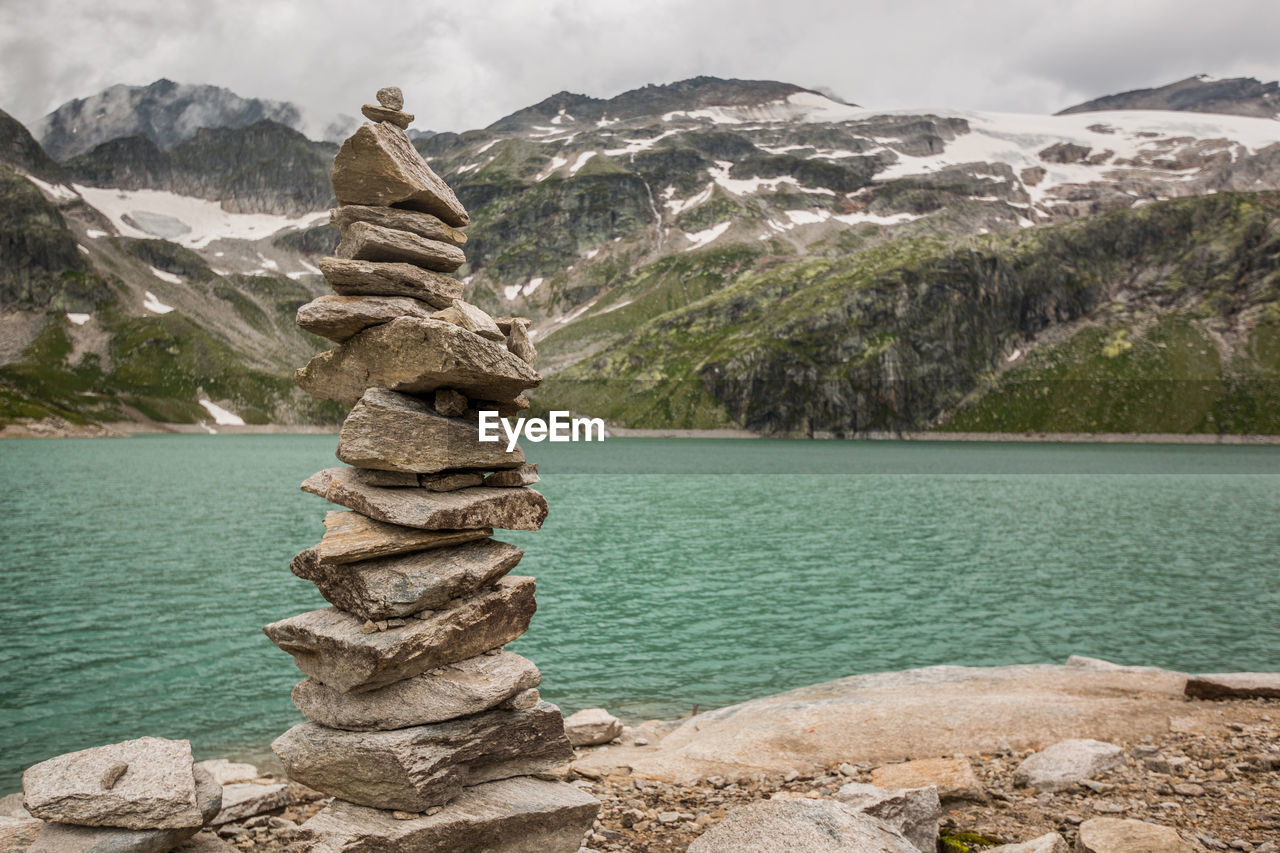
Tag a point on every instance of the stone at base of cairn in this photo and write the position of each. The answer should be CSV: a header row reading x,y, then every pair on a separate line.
x,y
522,815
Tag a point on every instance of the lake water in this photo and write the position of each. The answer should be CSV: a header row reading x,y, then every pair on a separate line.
x,y
137,573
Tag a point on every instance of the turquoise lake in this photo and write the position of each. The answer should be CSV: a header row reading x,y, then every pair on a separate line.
x,y
137,573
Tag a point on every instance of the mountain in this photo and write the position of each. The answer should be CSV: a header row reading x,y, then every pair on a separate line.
x,y
1242,96
168,113
705,253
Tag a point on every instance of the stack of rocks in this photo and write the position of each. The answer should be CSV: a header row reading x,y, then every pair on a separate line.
x,y
428,734
139,796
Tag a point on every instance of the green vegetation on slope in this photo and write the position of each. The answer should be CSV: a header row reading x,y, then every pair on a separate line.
x,y
896,336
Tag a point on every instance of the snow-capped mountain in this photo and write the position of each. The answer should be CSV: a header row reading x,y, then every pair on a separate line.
x,y
608,220
168,113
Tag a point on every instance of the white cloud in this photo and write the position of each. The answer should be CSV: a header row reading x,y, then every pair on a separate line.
x,y
466,65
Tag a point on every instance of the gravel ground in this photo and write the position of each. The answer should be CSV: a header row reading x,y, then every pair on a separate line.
x,y
1220,789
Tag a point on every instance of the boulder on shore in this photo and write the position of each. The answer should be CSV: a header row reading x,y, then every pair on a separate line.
x,y
68,838
953,777
1234,685
592,726
1118,835
1051,843
914,812
146,783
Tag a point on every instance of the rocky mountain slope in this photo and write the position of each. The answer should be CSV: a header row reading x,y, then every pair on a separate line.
x,y
751,253
1243,96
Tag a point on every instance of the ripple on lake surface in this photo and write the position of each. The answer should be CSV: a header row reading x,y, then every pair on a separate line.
x,y
137,573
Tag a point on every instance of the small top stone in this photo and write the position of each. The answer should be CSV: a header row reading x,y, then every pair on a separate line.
x,y
391,97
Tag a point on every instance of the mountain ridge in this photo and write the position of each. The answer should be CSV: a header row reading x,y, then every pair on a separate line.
x,y
1245,96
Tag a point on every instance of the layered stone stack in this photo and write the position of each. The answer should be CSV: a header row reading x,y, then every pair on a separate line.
x,y
428,734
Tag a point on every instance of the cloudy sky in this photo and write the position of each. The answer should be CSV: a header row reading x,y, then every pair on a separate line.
x,y
466,64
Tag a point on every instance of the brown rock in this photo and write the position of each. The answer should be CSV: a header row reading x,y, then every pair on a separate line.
x,y
378,165
521,815
1050,843
450,403
465,509
455,690
505,408
592,726
415,356
1235,685
227,772
339,317
800,826
350,537
387,479
417,768
390,587
450,482
395,432
204,842
329,645
391,97
525,475
953,777
375,278
1115,835
243,800
472,319
68,838
18,833
157,791
422,224
399,118
364,241
518,341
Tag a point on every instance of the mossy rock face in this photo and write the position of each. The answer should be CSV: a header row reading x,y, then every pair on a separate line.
x,y
42,266
898,335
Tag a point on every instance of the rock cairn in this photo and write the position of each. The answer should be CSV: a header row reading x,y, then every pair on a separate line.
x,y
427,733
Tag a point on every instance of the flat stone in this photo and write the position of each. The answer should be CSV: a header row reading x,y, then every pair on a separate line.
x,y
518,341
227,772
449,402
472,319
521,815
365,241
391,97
450,482
340,317
68,838
1234,685
243,800
377,278
413,355
18,833
387,479
390,587
156,791
205,842
1067,763
799,826
1116,835
465,509
417,768
525,475
399,118
350,537
395,432
330,646
378,165
454,690
914,812
505,408
1051,843
953,777
592,726
422,224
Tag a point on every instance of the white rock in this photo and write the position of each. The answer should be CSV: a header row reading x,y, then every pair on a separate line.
x,y
1051,843
18,833
1067,763
226,772
592,726
243,800
912,811
800,826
